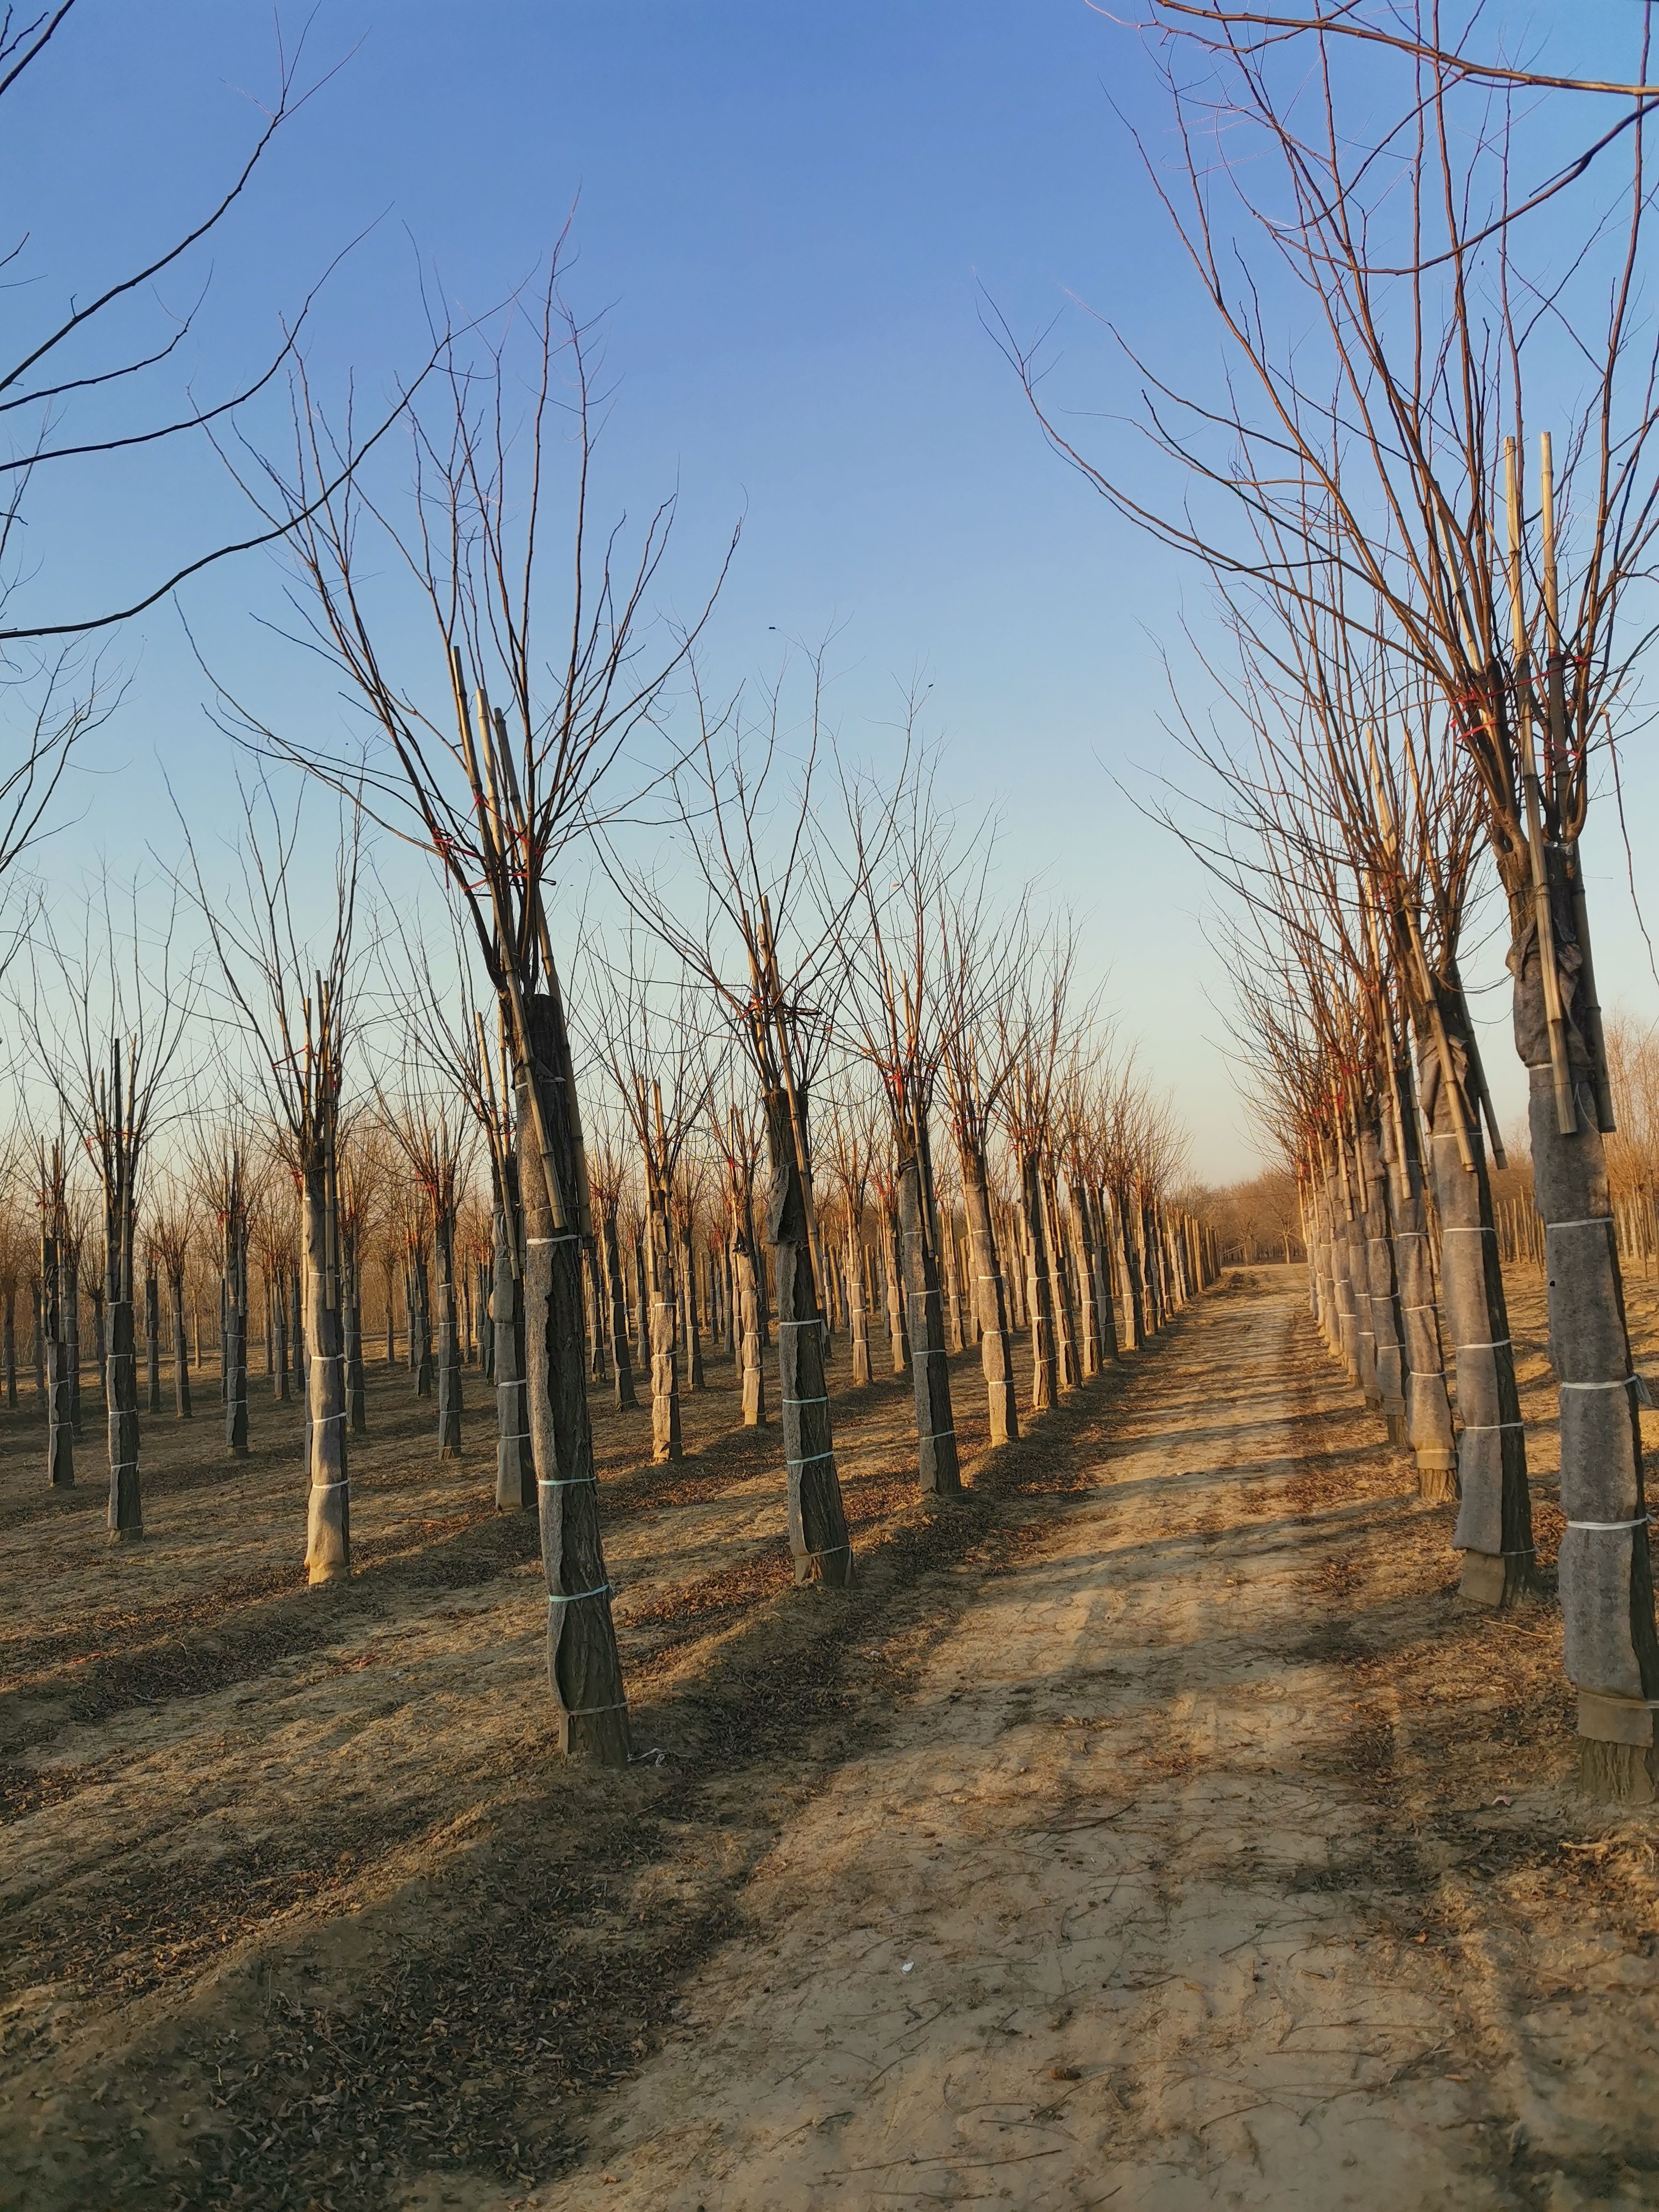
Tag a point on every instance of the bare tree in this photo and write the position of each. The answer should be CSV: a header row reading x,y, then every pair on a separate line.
x,y
294,1005
1389,205
981,1045
652,1054
496,794
54,1237
1033,1039
889,1012
746,827
432,1141
127,1019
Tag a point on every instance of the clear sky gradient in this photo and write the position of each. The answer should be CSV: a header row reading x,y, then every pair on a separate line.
x,y
796,218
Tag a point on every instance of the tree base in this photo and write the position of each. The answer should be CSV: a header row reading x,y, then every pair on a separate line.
x,y
328,1570
1437,1480
824,1570
1492,1580
1616,1773
601,1739
126,1535
1397,1428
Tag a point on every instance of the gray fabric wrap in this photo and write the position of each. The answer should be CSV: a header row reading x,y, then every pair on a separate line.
x,y
1477,1385
1463,1284
1430,1423
1391,1374
1587,1336
1596,1441
1481,1480
1594,1572
1597,1444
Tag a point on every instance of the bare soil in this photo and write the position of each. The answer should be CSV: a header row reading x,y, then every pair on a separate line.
x,y
1156,1828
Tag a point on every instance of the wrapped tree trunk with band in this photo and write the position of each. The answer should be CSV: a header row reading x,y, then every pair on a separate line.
x,y
123,1053
152,1331
233,1212
938,1464
60,1430
314,1129
817,1523
737,1140
616,1296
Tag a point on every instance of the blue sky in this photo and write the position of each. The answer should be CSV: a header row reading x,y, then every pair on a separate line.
x,y
795,218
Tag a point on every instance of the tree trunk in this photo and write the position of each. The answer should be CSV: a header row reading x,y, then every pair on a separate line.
x,y
351,1297
1611,1651
99,1341
938,1467
60,1430
235,1335
1494,1519
691,1337
1316,1235
623,1363
277,1315
1152,1277
126,1509
1098,1212
1359,1278
1384,1288
1040,1299
11,1347
1347,1320
126,1506
420,1325
990,1301
858,1312
744,1274
897,1339
665,1440
583,1667
1067,1365
1428,1410
642,1305
1082,1243
182,1405
1123,1246
449,1342
515,1464
72,1334
817,1521
1018,1280
328,1505
951,1284
596,1305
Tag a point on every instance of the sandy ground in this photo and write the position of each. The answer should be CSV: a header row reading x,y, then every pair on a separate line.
x,y
1156,1828
1152,1902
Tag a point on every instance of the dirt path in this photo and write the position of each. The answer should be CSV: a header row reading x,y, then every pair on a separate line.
x,y
1139,1907
1156,1828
